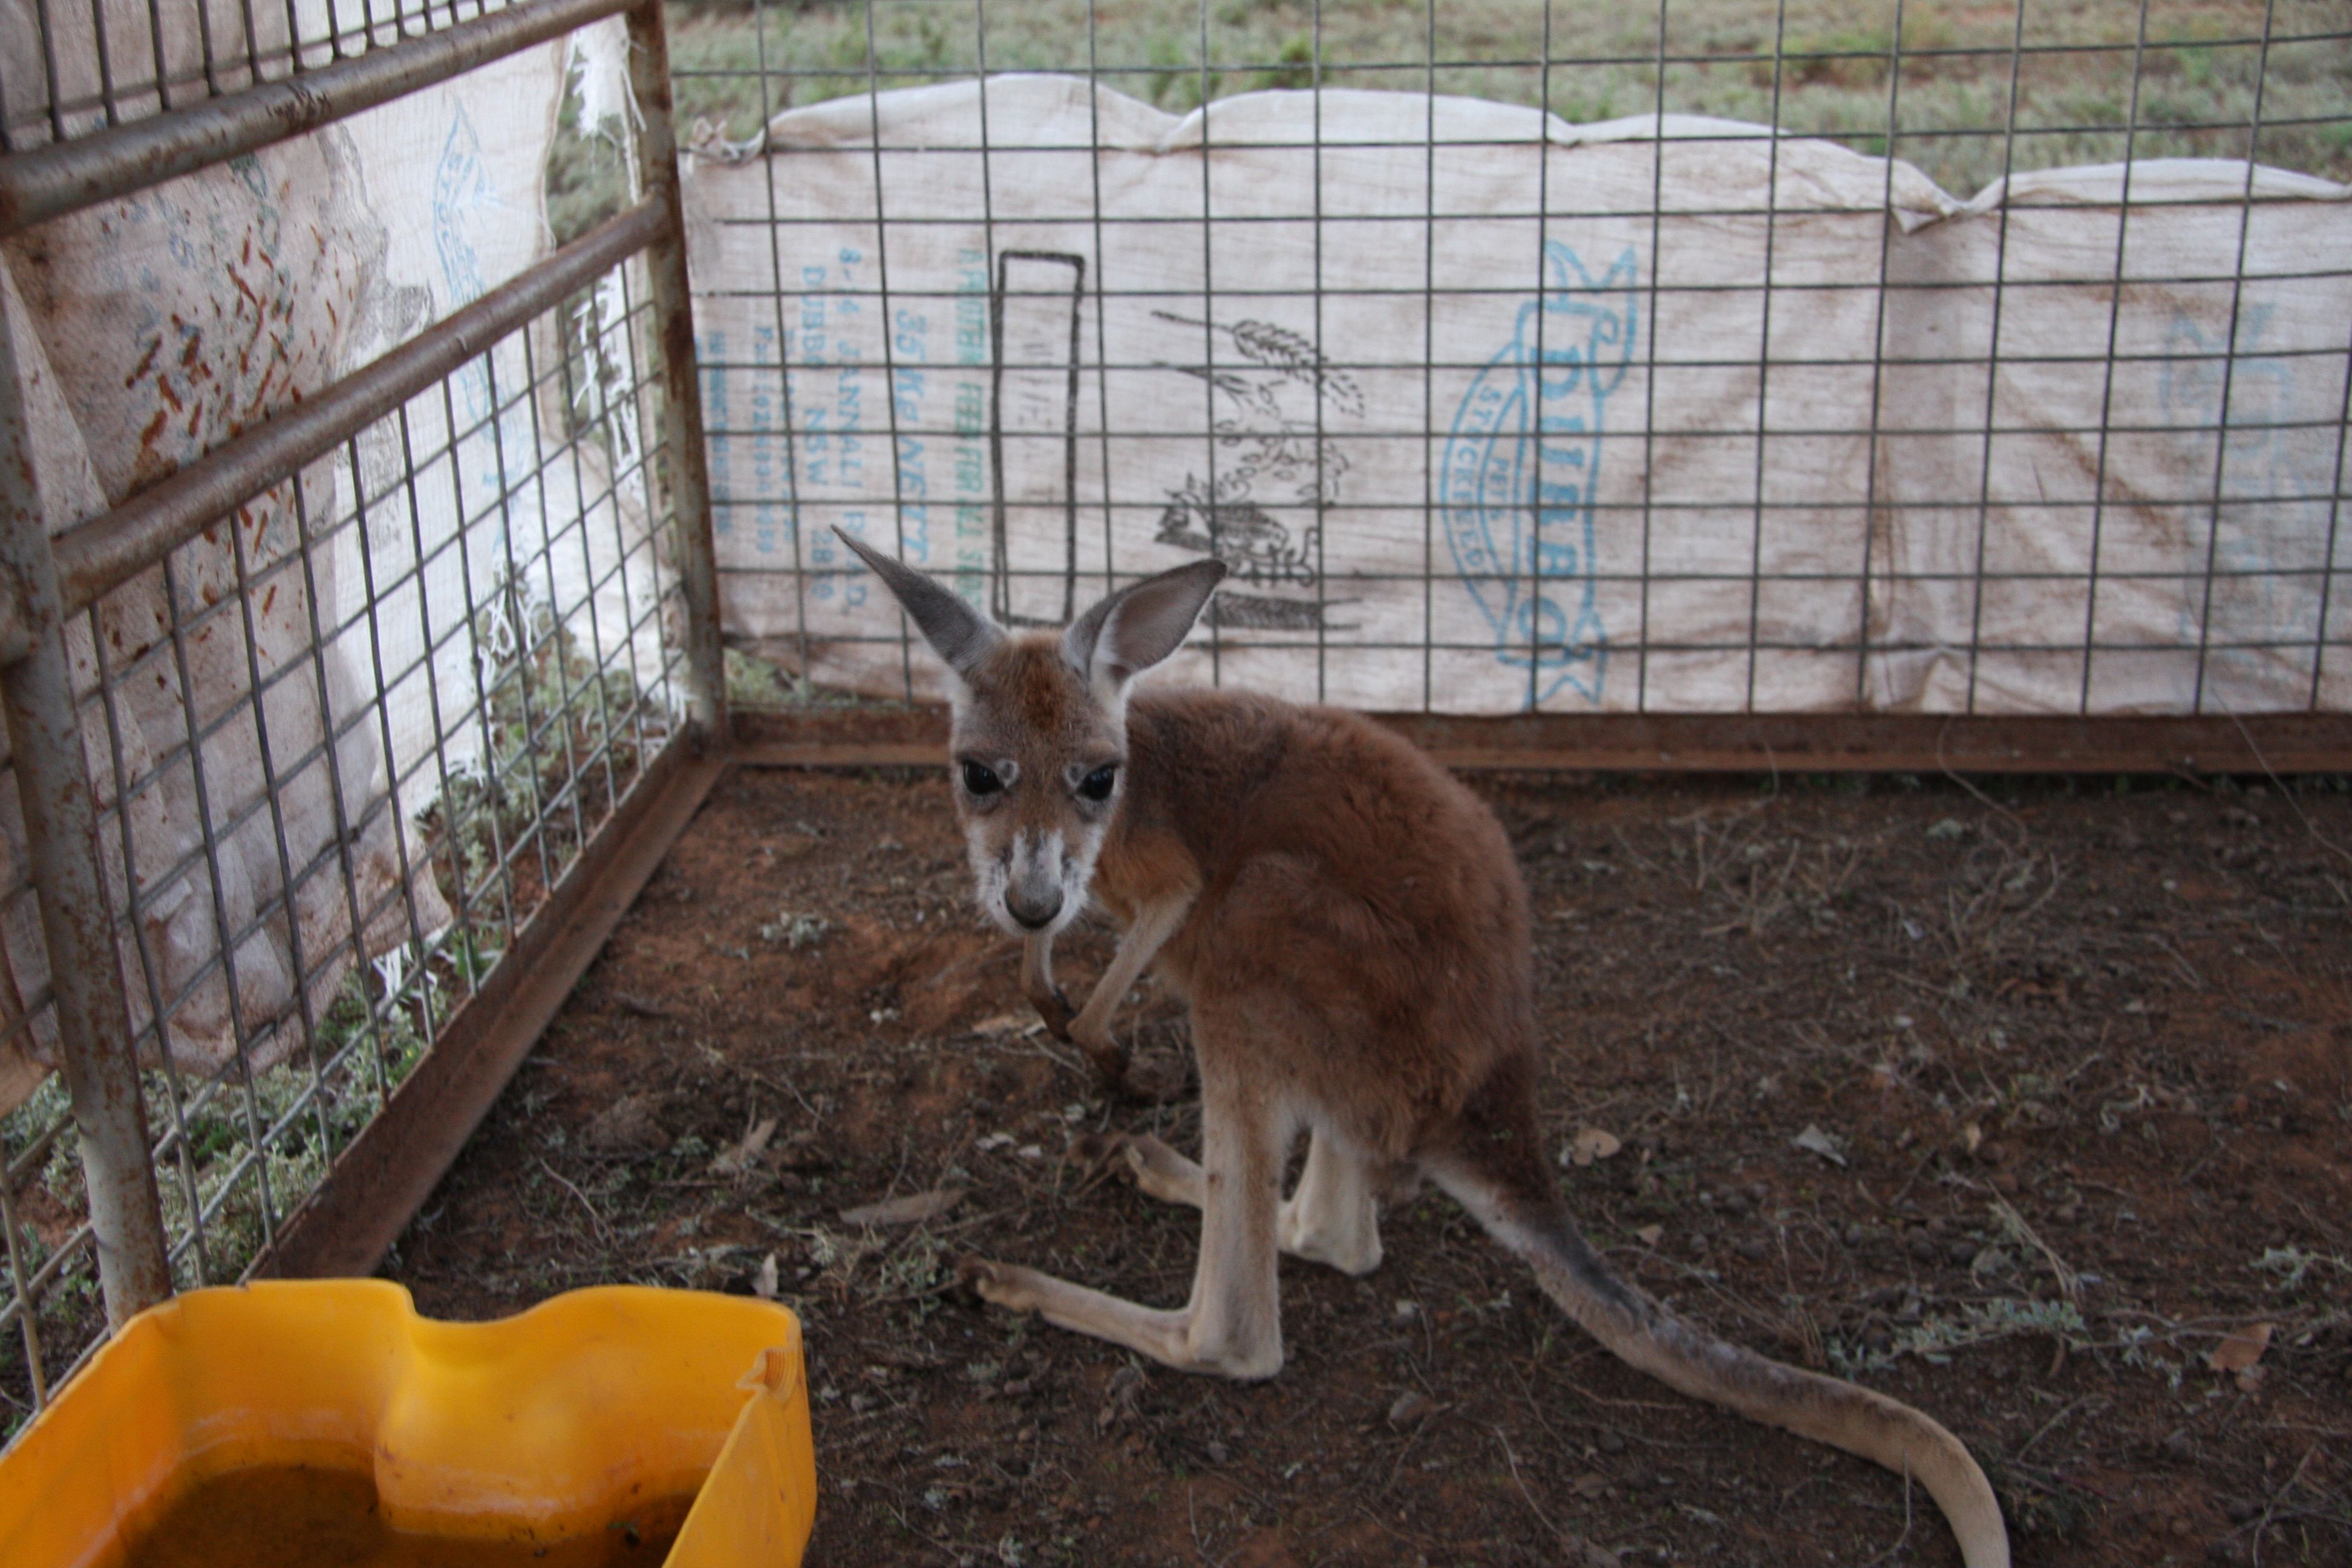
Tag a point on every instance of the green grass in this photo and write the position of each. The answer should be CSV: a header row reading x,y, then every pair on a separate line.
x,y
1837,74
1823,68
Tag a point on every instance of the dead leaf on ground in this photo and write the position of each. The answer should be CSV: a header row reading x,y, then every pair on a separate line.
x,y
1594,1143
788,846
740,1156
644,1008
1651,1234
2241,1348
1120,1397
1813,1140
1409,1406
627,1126
764,1283
912,1209
1005,1024
800,1152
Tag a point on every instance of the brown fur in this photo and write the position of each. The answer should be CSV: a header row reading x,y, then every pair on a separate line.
x,y
1349,927
1384,917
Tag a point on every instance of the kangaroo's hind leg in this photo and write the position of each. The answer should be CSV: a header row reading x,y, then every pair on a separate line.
x,y
1331,1217
1334,1216
1233,1323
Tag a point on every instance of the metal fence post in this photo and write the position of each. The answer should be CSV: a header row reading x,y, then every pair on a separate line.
x,y
689,477
76,921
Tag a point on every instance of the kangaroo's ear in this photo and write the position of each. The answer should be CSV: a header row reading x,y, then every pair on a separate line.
x,y
957,633
1143,622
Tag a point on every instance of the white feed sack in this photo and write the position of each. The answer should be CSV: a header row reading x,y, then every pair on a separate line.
x,y
154,328
1241,415
2054,236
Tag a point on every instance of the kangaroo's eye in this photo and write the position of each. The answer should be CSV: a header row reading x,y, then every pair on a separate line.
x,y
1096,785
980,780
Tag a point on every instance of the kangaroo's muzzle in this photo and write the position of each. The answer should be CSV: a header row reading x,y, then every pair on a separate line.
x,y
1034,906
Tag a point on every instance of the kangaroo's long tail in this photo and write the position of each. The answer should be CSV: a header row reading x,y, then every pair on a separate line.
x,y
1645,1335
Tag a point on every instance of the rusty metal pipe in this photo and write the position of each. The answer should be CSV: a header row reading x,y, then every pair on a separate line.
x,y
2282,744
100,554
687,473
67,176
76,921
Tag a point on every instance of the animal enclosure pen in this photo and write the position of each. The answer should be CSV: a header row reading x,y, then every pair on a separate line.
x,y
1991,415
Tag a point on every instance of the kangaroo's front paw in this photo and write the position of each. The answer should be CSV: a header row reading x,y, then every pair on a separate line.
x,y
999,1284
1054,1008
1097,1151
1107,1054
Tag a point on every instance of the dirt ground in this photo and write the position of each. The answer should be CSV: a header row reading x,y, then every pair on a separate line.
x,y
2032,1108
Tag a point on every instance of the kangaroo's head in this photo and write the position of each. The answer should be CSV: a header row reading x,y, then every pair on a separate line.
x,y
1039,740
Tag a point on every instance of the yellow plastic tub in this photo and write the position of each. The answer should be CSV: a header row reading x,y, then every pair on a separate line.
x,y
572,1434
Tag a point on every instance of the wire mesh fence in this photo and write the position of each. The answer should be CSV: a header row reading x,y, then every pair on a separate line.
x,y
2009,376
78,66
346,739
405,768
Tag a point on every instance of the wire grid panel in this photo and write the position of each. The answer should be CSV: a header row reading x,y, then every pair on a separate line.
x,y
71,66
345,741
1488,411
345,744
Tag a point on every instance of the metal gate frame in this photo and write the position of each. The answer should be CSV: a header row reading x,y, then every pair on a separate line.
x,y
376,1184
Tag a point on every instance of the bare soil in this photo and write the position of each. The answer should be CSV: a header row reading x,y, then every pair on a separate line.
x,y
2026,1106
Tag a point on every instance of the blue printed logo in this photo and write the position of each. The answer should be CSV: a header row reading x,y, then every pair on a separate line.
x,y
462,190
1522,464
461,187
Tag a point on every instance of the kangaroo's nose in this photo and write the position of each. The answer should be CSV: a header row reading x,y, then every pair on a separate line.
x,y
1035,911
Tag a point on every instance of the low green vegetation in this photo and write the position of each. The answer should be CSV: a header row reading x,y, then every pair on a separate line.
x,y
1838,68
244,1149
2087,88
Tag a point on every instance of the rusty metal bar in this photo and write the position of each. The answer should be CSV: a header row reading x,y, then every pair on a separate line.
x,y
388,1172
100,554
67,176
1693,743
686,473
77,919
1887,743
